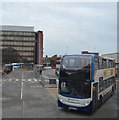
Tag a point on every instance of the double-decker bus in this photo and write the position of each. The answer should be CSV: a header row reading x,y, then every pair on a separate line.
x,y
85,81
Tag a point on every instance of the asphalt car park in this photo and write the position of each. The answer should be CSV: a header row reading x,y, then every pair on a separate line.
x,y
24,96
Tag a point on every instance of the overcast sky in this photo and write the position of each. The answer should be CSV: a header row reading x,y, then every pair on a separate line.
x,y
68,27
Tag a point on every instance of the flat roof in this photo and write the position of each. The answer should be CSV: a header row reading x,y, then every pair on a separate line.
x,y
113,55
16,28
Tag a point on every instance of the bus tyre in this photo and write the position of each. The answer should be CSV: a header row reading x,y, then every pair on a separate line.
x,y
115,86
112,90
93,107
65,109
100,102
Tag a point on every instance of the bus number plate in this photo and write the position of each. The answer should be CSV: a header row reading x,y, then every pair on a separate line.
x,y
72,108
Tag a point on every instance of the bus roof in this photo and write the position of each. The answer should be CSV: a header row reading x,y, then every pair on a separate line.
x,y
78,55
92,55
109,58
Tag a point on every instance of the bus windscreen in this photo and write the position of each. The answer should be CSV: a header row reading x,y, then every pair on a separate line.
x,y
75,76
75,62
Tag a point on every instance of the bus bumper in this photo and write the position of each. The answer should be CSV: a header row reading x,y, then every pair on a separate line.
x,y
83,109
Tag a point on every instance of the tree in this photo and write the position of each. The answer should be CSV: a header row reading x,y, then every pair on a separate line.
x,y
10,55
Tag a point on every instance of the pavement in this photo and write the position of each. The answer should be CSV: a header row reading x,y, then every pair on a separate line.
x,y
47,84
50,82
53,92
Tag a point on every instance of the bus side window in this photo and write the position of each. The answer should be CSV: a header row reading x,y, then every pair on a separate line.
x,y
96,63
101,86
108,82
100,63
110,64
104,63
105,84
113,63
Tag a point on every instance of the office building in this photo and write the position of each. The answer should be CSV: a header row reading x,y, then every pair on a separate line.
x,y
21,44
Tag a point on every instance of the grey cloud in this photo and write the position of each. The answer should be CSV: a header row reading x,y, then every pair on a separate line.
x,y
68,27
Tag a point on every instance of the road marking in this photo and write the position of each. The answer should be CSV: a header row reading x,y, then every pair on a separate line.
x,y
4,99
17,79
44,76
22,85
10,79
36,86
29,80
53,92
32,82
23,80
35,79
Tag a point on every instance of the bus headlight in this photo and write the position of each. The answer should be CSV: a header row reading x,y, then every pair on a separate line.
x,y
61,100
86,103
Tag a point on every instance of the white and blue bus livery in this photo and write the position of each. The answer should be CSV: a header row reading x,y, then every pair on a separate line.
x,y
85,81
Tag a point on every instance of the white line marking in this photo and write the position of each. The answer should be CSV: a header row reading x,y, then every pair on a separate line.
x,y
35,79
17,79
22,85
32,82
10,79
23,80
29,80
35,86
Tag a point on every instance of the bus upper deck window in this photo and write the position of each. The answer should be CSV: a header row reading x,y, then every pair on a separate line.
x,y
104,63
96,63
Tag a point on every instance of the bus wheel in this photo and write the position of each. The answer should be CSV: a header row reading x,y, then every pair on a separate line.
x,y
93,107
65,109
100,102
112,90
115,86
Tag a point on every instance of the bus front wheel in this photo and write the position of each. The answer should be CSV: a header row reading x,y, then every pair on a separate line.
x,y
112,90
100,102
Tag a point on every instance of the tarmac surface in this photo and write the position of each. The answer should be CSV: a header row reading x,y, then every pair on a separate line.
x,y
24,96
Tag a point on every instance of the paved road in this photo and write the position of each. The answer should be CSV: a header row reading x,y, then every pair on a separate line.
x,y
25,97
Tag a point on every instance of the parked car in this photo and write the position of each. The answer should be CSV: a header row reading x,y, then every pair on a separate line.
x,y
7,68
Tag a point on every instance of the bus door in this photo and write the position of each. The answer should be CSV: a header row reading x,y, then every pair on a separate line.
x,y
95,96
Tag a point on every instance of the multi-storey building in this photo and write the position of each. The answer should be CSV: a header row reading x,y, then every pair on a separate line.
x,y
21,44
